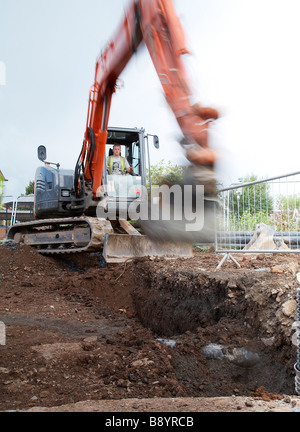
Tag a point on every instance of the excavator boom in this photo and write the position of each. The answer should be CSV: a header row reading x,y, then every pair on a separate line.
x,y
155,23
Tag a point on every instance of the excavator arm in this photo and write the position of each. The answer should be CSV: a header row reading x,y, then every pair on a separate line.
x,y
66,228
155,23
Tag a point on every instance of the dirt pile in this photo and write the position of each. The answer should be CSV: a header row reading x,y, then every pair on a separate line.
x,y
78,330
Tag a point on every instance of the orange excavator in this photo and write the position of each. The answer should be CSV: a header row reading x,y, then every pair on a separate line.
x,y
66,201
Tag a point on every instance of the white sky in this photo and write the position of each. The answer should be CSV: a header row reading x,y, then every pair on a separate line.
x,y
245,63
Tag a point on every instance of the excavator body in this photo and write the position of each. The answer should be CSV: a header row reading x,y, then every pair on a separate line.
x,y
89,209
67,222
55,194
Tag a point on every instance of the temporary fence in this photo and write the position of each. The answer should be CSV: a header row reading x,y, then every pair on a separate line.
x,y
261,216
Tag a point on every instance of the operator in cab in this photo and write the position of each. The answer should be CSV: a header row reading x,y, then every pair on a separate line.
x,y
117,164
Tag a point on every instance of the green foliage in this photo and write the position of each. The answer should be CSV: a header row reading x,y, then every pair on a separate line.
x,y
248,221
30,188
288,203
286,218
248,206
164,172
252,199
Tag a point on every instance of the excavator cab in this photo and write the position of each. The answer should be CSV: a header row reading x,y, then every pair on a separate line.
x,y
124,183
122,187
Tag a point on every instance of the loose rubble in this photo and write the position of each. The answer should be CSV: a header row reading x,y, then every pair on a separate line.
x,y
81,336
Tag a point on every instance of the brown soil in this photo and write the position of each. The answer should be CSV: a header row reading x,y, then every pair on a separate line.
x,y
81,336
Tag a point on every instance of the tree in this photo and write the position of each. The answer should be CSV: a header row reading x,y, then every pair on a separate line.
x,y
249,205
251,199
166,172
286,215
30,188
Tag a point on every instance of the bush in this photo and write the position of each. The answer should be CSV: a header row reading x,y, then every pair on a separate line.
x,y
164,172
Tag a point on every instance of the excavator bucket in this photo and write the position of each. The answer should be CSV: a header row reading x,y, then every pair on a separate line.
x,y
122,247
176,230
191,215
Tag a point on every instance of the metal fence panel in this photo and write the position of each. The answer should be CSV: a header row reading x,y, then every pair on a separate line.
x,y
260,216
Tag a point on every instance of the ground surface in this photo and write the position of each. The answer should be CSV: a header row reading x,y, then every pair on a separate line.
x,y
138,336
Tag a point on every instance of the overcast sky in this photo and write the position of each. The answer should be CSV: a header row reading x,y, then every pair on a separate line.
x,y
245,62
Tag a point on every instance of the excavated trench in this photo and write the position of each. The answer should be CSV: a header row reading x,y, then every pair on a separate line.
x,y
78,330
224,330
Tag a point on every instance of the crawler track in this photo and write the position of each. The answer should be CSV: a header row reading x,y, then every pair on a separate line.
x,y
60,236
